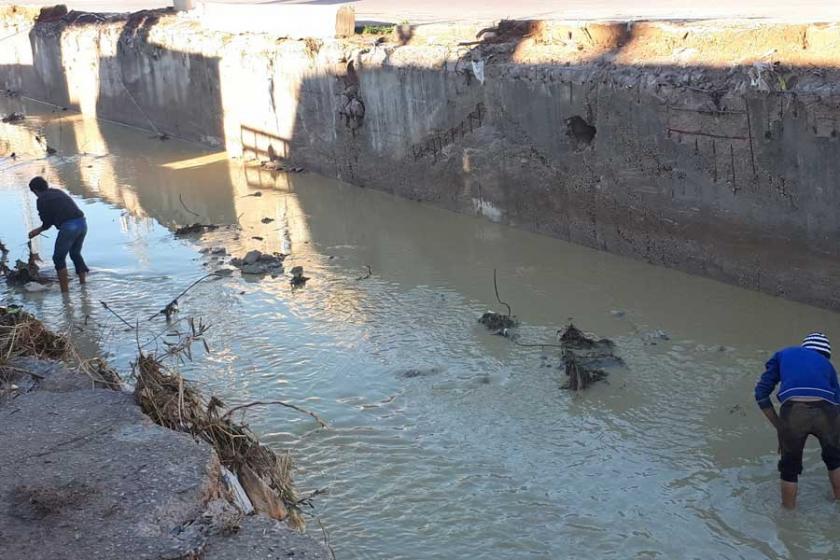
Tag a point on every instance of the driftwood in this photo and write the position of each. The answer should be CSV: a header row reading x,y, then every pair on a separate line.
x,y
237,492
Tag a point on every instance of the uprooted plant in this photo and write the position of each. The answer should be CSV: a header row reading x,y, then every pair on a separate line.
x,y
587,360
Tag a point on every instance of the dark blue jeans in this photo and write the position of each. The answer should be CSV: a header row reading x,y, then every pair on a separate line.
x,y
71,237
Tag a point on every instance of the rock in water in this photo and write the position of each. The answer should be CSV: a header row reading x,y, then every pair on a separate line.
x,y
35,287
298,279
13,118
254,268
252,257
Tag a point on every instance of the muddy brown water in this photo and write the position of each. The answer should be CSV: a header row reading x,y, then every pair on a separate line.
x,y
445,441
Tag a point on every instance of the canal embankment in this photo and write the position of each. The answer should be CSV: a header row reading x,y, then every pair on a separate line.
x,y
88,474
710,146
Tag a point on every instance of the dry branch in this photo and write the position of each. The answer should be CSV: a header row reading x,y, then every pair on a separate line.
x,y
279,403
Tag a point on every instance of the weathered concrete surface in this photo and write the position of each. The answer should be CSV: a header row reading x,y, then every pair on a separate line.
x,y
710,147
263,538
84,474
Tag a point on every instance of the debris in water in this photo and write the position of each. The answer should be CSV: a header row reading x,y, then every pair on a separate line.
x,y
367,275
496,321
256,263
653,338
737,410
13,118
500,324
258,193
172,307
267,220
23,273
585,358
427,372
51,150
298,279
277,165
195,228
257,238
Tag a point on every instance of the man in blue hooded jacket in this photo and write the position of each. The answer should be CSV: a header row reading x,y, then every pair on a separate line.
x,y
810,405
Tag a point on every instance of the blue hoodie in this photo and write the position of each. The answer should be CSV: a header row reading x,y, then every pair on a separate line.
x,y
802,372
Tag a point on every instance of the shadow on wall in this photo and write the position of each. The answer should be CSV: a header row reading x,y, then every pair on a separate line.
x,y
718,170
174,93
108,74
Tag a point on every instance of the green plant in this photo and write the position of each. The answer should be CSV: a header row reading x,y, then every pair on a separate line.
x,y
377,29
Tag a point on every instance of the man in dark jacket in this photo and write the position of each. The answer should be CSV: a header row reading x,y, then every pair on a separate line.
x,y
810,398
57,209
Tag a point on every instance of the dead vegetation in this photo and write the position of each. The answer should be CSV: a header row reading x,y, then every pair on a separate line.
x,y
174,403
22,273
24,336
586,359
168,399
21,334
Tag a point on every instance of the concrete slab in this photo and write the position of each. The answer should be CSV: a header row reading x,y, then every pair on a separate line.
x,y
53,376
442,11
86,475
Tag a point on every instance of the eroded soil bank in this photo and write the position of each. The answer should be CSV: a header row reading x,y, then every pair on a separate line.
x,y
708,146
85,474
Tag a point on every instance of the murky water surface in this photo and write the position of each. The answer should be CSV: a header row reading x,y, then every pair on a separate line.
x,y
445,441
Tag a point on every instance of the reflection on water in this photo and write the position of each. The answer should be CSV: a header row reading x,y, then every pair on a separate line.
x,y
482,456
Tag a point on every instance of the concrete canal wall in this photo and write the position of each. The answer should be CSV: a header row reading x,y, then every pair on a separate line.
x,y
710,147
